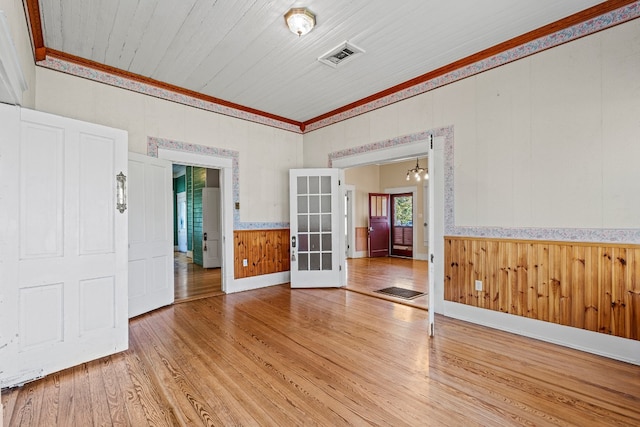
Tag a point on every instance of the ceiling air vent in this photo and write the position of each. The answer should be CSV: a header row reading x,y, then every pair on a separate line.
x,y
340,54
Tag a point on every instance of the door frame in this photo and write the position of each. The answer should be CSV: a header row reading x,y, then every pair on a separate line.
x,y
350,192
225,165
413,149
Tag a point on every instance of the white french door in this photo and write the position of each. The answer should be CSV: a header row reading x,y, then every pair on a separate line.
x,y
150,234
316,240
63,250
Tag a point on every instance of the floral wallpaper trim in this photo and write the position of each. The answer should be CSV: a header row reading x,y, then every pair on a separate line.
x,y
153,144
604,235
168,95
591,26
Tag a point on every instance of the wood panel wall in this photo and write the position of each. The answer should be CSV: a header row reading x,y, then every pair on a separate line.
x,y
593,286
266,252
362,239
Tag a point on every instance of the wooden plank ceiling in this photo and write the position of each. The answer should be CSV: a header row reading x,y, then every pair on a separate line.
x,y
241,51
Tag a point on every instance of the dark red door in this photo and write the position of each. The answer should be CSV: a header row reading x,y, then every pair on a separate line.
x,y
378,224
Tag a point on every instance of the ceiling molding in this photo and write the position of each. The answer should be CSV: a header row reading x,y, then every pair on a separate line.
x,y
377,100
586,22
80,67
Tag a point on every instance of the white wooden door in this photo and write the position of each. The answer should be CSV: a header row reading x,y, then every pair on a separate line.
x,y
150,234
181,205
63,250
211,228
431,238
316,243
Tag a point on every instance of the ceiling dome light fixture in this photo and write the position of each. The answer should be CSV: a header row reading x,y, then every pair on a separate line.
x,y
416,172
300,20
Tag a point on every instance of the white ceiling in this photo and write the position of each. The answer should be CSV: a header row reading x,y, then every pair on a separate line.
x,y
241,51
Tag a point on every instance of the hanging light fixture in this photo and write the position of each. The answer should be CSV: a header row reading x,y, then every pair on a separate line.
x,y
415,172
300,20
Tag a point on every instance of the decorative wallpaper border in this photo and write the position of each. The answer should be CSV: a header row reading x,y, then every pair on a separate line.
x,y
594,235
153,144
591,26
168,95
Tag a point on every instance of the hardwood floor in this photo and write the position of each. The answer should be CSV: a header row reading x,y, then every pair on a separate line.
x,y
191,281
328,357
367,275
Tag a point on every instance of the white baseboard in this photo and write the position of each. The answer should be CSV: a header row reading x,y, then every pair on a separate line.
x,y
421,257
257,282
361,254
190,254
623,349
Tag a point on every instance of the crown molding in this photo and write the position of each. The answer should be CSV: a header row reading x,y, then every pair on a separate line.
x,y
589,21
581,24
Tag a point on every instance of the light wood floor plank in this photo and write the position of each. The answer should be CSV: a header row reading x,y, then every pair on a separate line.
x,y
281,357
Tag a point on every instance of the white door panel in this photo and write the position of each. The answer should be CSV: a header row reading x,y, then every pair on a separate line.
x,y
150,234
63,294
211,228
181,203
317,242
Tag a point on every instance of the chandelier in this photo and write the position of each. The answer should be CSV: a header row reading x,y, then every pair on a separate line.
x,y
415,172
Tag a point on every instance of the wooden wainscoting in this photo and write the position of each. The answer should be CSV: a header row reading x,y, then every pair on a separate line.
x,y
593,286
362,239
266,252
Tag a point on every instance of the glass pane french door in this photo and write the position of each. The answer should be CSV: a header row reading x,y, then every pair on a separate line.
x,y
315,228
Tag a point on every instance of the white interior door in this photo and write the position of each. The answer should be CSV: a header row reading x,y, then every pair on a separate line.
x,y
150,234
63,251
181,202
211,228
316,243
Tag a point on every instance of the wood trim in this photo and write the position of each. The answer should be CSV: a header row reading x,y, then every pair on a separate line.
x,y
553,242
156,83
35,24
266,252
585,15
592,286
33,12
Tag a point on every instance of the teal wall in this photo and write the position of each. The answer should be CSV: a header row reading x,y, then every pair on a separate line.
x,y
189,190
199,182
192,182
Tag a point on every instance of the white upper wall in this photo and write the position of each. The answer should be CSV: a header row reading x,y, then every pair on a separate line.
x,y
548,141
265,154
14,11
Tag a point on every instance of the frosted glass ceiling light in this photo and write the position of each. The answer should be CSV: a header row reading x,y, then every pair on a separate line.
x,y
300,20
416,172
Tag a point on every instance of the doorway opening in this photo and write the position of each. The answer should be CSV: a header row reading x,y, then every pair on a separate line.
x,y
197,229
375,188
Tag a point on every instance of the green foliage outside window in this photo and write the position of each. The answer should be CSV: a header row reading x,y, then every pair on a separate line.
x,y
403,210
